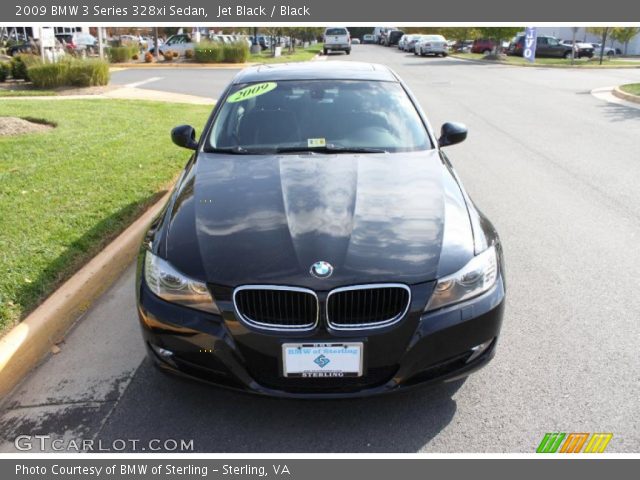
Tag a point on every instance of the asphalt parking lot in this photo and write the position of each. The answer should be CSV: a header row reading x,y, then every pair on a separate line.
x,y
554,167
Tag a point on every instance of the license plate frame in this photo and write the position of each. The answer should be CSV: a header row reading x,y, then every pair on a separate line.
x,y
323,359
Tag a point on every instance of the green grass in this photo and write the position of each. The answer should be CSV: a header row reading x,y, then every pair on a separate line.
x,y
555,62
632,88
300,55
26,93
66,193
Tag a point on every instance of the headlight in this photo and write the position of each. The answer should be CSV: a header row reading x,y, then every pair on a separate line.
x,y
475,278
172,286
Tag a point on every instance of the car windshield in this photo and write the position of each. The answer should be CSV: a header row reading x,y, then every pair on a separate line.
x,y
336,31
320,115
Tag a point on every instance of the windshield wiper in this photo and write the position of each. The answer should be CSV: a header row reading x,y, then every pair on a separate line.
x,y
330,149
237,150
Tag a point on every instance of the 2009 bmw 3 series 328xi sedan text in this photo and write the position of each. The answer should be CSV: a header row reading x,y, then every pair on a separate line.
x,y
319,243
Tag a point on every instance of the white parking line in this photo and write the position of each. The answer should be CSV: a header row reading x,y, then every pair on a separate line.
x,y
143,82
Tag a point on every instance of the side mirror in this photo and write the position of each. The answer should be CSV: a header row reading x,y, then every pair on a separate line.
x,y
452,133
184,136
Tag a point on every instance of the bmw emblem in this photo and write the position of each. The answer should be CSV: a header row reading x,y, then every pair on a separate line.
x,y
321,269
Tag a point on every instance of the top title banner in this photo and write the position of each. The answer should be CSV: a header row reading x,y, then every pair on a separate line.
x,y
27,12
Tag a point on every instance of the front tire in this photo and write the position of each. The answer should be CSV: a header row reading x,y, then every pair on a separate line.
x,y
348,52
567,55
325,51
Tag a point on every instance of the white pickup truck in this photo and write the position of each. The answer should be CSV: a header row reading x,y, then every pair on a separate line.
x,y
337,39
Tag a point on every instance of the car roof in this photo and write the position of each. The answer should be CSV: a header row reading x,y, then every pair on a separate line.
x,y
316,70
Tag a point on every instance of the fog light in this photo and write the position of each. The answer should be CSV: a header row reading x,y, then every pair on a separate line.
x,y
164,354
478,350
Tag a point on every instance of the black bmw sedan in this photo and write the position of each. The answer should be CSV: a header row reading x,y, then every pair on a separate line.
x,y
319,243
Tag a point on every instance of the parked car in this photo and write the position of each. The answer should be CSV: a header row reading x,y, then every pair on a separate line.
x,y
404,39
581,49
336,39
432,45
243,39
393,37
546,46
355,41
177,43
78,42
263,40
608,51
130,39
411,45
463,46
383,33
19,48
338,256
483,45
368,38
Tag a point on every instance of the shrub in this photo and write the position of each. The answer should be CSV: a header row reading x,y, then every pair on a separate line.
x,y
236,52
209,52
76,73
176,54
188,54
88,73
4,71
20,65
148,57
122,54
135,56
168,56
48,75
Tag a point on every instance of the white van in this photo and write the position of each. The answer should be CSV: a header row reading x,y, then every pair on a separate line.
x,y
337,39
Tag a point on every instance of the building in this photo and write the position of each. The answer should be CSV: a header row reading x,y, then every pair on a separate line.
x,y
30,31
566,33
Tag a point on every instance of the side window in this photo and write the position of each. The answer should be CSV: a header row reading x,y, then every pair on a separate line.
x,y
552,42
541,41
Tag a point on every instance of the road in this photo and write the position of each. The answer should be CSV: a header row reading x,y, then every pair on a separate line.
x,y
555,168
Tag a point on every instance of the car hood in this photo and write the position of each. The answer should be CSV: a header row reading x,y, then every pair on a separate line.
x,y
243,219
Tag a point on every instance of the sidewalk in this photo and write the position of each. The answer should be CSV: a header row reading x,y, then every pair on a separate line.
x,y
127,93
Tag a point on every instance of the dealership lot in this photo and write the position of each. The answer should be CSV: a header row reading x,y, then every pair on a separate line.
x,y
556,170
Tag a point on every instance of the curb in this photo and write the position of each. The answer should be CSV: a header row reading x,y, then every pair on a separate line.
x,y
538,65
123,66
25,346
625,96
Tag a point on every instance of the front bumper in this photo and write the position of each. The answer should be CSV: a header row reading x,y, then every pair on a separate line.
x,y
220,350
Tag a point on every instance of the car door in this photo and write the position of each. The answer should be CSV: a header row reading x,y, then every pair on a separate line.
x,y
542,47
555,48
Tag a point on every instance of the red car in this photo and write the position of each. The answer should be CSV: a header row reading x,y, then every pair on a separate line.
x,y
483,45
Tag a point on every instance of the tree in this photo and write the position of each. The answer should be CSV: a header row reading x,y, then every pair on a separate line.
x,y
624,35
459,33
498,34
603,33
